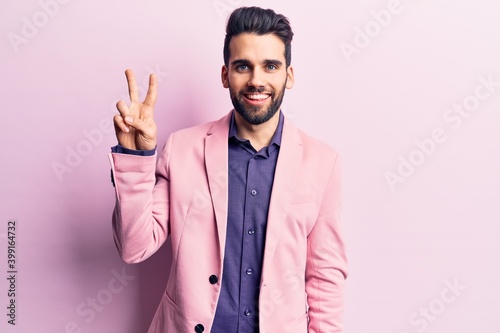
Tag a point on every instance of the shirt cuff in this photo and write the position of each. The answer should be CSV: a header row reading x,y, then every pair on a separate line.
x,y
122,150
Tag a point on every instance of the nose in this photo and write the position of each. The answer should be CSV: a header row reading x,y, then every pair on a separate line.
x,y
257,79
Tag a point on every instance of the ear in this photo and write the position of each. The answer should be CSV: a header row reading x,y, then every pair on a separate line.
x,y
225,76
290,77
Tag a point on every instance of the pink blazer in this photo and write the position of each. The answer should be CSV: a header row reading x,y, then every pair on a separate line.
x,y
184,193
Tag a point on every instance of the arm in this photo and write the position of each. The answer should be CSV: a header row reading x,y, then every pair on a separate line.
x,y
326,268
140,218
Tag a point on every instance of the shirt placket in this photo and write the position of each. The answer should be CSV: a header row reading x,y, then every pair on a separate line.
x,y
249,264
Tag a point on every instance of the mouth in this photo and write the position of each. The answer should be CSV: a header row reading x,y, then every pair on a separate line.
x,y
256,98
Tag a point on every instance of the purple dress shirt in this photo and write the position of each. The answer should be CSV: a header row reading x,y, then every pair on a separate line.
x,y
251,176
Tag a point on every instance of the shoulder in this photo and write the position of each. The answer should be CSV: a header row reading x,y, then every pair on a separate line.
x,y
314,148
196,134
194,131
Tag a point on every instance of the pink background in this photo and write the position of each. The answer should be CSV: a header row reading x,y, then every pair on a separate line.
x,y
424,252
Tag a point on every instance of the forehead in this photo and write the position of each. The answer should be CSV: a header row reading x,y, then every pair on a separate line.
x,y
257,48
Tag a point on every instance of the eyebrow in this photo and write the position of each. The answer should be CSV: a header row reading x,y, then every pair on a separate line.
x,y
238,62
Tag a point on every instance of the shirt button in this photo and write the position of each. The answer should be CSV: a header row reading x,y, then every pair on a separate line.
x,y
199,328
254,192
251,231
249,271
213,279
247,313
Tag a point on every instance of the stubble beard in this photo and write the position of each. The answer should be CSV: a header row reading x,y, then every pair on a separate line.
x,y
251,113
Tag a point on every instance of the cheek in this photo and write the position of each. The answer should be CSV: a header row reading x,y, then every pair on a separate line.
x,y
279,81
236,82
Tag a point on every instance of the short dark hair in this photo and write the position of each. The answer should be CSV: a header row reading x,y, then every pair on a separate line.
x,y
259,21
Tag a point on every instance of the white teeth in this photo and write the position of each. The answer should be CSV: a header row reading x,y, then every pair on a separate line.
x,y
257,97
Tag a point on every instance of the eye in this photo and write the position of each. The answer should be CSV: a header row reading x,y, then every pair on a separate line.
x,y
242,68
271,67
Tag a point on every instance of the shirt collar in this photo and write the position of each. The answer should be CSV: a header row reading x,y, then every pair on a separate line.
x,y
276,139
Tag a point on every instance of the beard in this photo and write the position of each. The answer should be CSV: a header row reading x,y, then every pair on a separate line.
x,y
253,114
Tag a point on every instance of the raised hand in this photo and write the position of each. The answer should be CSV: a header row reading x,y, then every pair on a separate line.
x,y
134,125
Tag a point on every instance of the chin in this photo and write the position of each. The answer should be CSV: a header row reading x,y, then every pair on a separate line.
x,y
256,117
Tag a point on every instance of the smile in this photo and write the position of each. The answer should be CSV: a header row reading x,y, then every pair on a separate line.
x,y
256,98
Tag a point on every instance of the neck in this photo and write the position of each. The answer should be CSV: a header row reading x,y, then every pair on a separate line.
x,y
259,135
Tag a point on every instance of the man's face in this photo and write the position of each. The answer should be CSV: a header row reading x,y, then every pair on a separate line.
x,y
257,76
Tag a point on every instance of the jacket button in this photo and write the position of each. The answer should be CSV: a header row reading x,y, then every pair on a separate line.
x,y
199,328
213,279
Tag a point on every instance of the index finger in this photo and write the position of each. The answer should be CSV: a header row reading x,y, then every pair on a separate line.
x,y
133,91
150,99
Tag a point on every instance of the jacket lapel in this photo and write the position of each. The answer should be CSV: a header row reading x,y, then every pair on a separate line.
x,y
216,163
287,168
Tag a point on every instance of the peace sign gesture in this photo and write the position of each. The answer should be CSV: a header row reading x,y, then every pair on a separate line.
x,y
134,125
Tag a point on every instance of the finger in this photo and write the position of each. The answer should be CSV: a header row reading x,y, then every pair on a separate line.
x,y
143,126
133,91
120,124
131,122
123,108
150,99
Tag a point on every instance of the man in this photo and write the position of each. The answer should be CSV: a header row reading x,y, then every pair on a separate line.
x,y
250,202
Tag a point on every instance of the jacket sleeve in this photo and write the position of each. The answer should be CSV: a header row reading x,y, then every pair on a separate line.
x,y
326,267
141,214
